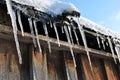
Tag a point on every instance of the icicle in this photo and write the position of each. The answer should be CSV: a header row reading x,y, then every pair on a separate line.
x,y
46,33
107,43
98,41
62,29
56,34
20,23
14,25
67,71
36,32
51,24
103,43
84,41
111,47
32,31
76,36
69,29
75,33
117,49
71,50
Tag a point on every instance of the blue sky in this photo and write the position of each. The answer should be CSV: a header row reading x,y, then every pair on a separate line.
x,y
103,12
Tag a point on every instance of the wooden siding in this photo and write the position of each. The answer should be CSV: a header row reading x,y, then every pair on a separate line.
x,y
57,65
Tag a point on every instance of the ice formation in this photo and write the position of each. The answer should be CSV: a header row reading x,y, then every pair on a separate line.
x,y
71,50
49,7
98,41
14,25
20,23
111,47
47,36
36,32
32,31
56,34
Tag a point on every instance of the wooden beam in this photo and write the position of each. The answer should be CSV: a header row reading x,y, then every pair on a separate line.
x,y
6,33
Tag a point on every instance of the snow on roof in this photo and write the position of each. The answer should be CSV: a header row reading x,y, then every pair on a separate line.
x,y
98,28
55,7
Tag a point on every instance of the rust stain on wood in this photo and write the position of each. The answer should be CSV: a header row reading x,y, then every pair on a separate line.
x,y
86,67
111,70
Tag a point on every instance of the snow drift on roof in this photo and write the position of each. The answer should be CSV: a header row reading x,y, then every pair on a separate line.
x,y
55,7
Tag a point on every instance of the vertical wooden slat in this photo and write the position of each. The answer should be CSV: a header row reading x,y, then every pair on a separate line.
x,y
39,65
97,69
10,69
56,67
110,70
86,67
80,70
70,67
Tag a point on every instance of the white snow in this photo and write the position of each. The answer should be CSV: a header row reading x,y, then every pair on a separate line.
x,y
55,7
98,28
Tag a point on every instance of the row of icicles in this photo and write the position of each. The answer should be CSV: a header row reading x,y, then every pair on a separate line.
x,y
66,30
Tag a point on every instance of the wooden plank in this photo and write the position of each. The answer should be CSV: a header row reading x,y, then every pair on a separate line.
x,y
10,68
97,69
86,67
56,67
111,70
70,67
79,68
39,65
6,33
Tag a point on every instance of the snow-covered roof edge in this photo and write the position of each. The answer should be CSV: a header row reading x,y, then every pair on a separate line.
x,y
54,7
98,28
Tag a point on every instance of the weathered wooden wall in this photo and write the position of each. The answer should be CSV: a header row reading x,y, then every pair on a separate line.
x,y
10,69
57,65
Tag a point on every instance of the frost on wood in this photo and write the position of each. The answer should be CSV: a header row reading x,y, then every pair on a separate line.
x,y
14,25
46,13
